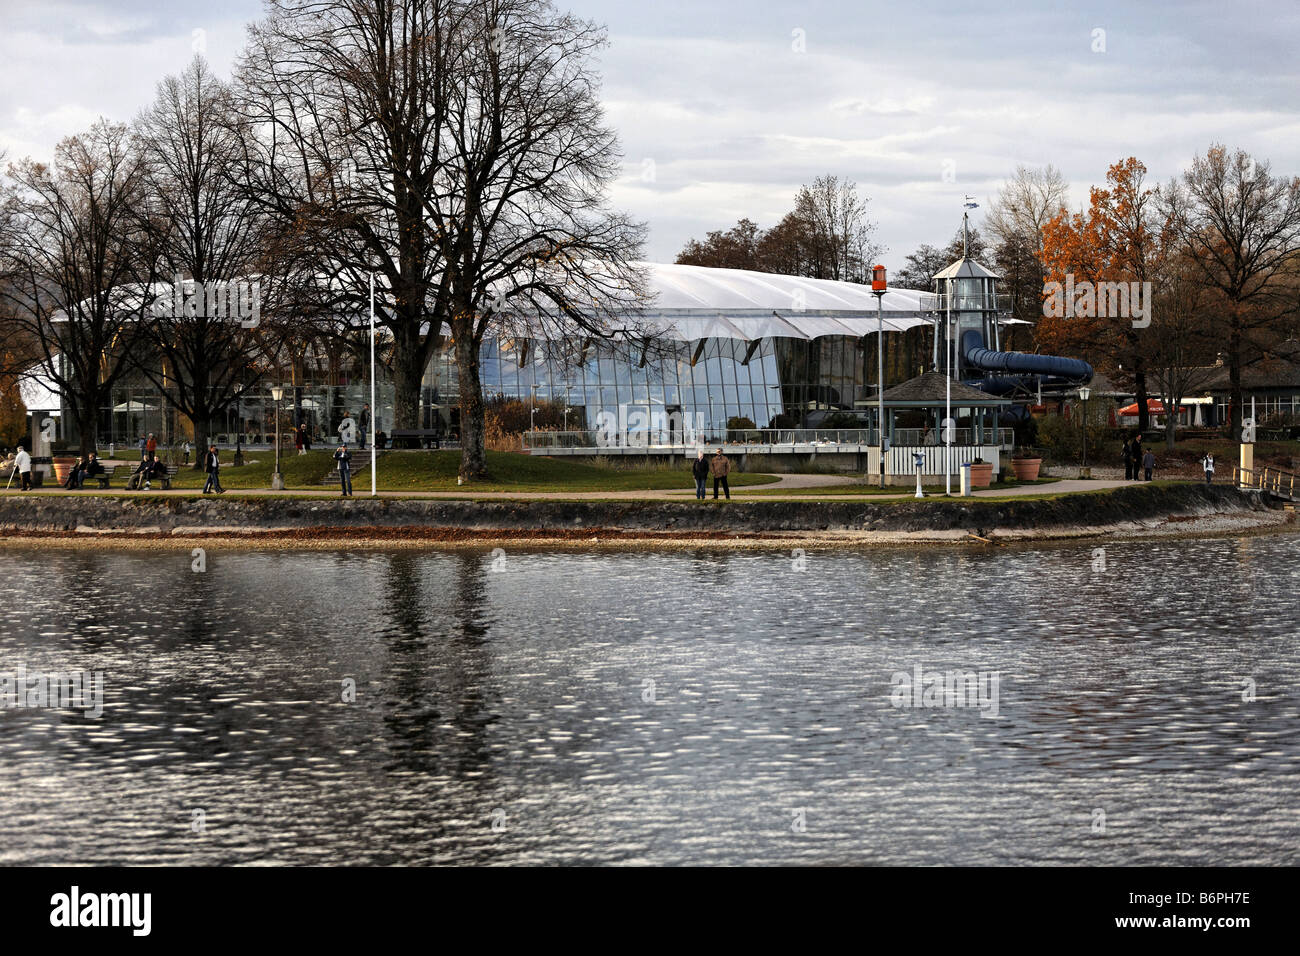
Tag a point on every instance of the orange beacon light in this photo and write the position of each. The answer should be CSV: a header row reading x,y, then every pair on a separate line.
x,y
878,283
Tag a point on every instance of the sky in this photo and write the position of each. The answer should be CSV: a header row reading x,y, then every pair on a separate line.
x,y
724,108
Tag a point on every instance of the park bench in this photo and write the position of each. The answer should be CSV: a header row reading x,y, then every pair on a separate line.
x,y
425,437
164,479
107,475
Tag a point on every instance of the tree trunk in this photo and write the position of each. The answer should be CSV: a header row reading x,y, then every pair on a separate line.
x,y
86,425
1144,413
201,431
408,372
1236,398
473,461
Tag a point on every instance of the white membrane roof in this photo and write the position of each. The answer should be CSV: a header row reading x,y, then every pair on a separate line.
x,y
695,302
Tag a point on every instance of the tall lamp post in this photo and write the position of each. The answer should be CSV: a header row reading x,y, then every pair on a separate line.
x,y
878,288
532,413
1084,392
374,408
277,479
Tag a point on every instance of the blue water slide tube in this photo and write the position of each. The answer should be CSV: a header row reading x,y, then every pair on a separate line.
x,y
1074,371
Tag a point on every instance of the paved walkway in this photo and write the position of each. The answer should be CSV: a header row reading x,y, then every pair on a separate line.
x,y
784,482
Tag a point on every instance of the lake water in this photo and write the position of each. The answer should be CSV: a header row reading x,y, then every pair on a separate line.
x,y
676,707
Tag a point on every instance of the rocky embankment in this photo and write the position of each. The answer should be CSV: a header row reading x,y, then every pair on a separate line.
x,y
1124,509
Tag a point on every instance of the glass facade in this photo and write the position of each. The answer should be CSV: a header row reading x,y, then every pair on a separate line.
x,y
705,382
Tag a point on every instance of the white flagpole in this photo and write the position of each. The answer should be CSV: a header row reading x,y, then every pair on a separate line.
x,y
947,411
374,409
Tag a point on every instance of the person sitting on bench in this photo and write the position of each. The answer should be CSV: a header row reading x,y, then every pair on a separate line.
x,y
91,469
149,469
73,481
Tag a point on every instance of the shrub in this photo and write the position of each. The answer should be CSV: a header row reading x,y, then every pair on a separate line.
x,y
841,419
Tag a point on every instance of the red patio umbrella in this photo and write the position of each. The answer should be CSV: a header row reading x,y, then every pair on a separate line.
x,y
1154,407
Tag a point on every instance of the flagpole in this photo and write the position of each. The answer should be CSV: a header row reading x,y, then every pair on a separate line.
x,y
374,408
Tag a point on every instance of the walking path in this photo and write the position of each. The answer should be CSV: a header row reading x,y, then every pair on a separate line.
x,y
784,482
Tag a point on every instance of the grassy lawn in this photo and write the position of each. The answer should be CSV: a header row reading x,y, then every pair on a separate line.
x,y
300,471
436,471
1188,452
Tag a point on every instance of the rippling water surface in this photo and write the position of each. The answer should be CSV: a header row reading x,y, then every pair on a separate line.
x,y
673,707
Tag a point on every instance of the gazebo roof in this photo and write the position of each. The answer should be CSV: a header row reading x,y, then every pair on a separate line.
x,y
931,389
965,268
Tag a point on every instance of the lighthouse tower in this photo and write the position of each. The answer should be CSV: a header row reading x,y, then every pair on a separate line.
x,y
964,300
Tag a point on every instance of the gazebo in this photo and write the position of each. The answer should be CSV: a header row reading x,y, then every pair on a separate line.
x,y
931,393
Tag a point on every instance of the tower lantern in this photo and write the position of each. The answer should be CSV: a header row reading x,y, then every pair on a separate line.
x,y
878,283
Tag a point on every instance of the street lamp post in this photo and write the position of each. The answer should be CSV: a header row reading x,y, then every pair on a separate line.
x,y
277,479
1084,392
374,408
532,414
878,287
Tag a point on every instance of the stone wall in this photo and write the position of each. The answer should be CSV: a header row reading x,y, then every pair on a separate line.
x,y
20,513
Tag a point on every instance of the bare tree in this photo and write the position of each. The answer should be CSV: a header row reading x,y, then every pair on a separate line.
x,y
74,267
205,235
826,236
1240,227
1025,204
344,107
1180,345
529,245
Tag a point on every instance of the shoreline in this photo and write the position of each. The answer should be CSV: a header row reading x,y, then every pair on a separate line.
x,y
327,538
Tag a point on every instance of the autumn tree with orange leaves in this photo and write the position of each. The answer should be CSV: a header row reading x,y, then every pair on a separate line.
x,y
1117,239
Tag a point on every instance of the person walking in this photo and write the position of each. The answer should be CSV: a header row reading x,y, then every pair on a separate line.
x,y
1207,463
143,445
23,465
364,424
151,446
212,465
344,459
1126,452
720,467
186,449
1148,464
297,438
347,429
1137,456
700,470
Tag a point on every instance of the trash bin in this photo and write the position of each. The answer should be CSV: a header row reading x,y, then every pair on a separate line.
x,y
965,480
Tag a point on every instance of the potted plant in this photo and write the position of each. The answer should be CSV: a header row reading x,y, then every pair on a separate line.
x,y
1025,465
63,467
981,473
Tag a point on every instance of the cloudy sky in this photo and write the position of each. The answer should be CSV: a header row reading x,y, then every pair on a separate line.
x,y
726,106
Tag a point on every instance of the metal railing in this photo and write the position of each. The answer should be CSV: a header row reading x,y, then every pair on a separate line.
x,y
966,301
1280,483
902,438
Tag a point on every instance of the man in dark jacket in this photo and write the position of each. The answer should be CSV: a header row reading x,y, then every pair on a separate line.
x,y
720,467
1137,456
700,470
212,465
1126,452
93,469
344,459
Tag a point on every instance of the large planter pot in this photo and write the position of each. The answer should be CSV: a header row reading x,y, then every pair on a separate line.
x,y
63,468
1026,469
981,475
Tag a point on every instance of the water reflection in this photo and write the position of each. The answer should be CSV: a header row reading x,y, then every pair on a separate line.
x,y
668,707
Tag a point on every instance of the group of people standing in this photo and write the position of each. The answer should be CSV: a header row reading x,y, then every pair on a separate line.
x,y
1139,462
719,466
